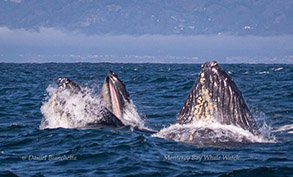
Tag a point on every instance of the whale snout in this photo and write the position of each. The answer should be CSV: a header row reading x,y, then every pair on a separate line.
x,y
213,71
65,83
112,74
209,65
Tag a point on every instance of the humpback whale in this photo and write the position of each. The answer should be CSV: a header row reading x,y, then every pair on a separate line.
x,y
215,97
214,113
114,98
115,95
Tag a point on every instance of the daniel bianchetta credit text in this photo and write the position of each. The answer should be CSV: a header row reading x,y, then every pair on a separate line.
x,y
49,157
199,158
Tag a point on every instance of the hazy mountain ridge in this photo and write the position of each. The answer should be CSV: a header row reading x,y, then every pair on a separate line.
x,y
165,17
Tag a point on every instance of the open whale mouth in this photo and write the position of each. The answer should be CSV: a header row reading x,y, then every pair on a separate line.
x,y
114,94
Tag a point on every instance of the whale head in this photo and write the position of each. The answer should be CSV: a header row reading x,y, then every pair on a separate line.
x,y
67,84
114,94
215,97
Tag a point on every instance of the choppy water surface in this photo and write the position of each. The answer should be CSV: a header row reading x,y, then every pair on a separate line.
x,y
158,92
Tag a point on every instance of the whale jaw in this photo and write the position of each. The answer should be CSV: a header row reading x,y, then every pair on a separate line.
x,y
115,95
215,98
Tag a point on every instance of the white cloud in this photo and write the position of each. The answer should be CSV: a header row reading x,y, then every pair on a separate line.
x,y
16,1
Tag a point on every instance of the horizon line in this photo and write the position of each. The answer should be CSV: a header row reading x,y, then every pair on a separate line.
x,y
140,63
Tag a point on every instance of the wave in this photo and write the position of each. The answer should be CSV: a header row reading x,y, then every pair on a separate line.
x,y
285,128
277,69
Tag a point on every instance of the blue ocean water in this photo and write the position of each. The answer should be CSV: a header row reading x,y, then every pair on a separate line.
x,y
158,92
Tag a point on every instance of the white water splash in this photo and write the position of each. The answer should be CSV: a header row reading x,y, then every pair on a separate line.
x,y
202,133
78,110
278,69
284,128
73,112
132,118
263,72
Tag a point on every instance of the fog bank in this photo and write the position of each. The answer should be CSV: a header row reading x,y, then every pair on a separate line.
x,y
52,45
